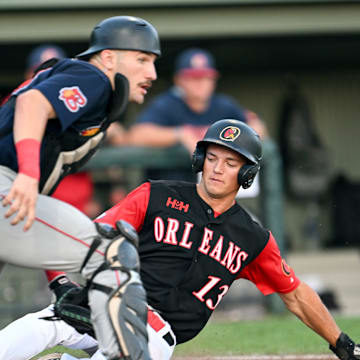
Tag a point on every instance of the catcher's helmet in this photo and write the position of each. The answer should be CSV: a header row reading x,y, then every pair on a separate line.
x,y
123,33
237,136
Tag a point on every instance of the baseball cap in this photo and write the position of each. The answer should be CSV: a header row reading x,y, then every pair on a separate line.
x,y
42,53
196,62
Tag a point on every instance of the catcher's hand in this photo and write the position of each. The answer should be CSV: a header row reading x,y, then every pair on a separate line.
x,y
61,285
345,348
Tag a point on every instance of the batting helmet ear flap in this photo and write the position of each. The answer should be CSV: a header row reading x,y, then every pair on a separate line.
x,y
247,174
198,159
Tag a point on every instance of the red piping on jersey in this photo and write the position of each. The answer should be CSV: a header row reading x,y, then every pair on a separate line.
x,y
60,231
66,234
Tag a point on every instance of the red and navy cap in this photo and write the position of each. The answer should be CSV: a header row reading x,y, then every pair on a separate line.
x,y
196,62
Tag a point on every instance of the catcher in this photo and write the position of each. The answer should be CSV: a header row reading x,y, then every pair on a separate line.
x,y
49,127
194,242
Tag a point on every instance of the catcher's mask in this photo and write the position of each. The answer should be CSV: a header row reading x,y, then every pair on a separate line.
x,y
123,33
237,136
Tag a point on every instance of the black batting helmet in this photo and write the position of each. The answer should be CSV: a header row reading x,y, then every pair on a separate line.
x,y
237,136
123,33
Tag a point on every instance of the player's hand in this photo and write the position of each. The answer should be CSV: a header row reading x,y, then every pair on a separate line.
x,y
22,200
116,135
257,124
346,349
62,285
190,135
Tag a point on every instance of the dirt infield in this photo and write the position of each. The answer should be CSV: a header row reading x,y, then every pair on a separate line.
x,y
262,357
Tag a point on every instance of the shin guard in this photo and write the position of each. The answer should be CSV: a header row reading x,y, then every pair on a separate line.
x,y
126,304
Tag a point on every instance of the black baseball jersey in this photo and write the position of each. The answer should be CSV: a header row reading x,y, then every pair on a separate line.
x,y
190,256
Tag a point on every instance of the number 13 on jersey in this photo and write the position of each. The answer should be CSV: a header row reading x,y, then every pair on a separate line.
x,y
201,294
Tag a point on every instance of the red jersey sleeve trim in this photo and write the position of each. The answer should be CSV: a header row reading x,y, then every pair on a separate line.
x,y
269,272
132,209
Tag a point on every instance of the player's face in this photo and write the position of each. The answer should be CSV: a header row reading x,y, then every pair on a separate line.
x,y
139,68
196,88
220,172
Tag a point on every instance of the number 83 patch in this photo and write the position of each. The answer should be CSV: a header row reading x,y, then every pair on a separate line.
x,y
73,98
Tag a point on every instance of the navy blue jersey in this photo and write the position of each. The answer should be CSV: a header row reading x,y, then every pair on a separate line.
x,y
79,93
169,109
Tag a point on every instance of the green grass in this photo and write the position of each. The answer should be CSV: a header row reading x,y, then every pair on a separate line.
x,y
61,349
272,335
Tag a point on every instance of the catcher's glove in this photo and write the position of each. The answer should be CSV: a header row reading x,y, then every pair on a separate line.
x,y
346,349
72,307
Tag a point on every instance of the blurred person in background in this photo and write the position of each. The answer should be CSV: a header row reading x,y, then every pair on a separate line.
x,y
39,55
182,114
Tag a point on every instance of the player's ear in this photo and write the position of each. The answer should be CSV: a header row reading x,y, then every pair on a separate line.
x,y
108,59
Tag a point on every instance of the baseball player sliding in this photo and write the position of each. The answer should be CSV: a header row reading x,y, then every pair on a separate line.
x,y
195,241
50,126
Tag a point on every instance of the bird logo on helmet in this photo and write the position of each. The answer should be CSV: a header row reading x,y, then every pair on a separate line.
x,y
230,133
